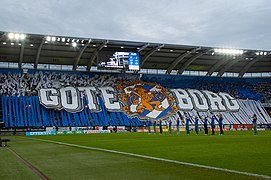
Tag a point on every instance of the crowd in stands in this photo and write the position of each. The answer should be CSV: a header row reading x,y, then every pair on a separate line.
x,y
17,84
20,84
237,87
21,108
265,90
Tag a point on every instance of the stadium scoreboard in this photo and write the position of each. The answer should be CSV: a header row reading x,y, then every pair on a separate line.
x,y
133,61
118,60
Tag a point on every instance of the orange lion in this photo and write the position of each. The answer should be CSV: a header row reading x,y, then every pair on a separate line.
x,y
146,97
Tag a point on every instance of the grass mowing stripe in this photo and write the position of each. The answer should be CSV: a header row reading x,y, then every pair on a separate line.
x,y
29,165
156,158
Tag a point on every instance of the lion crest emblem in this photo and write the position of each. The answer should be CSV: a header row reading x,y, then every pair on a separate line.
x,y
146,100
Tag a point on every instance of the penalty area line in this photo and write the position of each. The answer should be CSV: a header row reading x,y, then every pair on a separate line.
x,y
156,158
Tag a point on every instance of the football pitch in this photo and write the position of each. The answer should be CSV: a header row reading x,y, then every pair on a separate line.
x,y
235,155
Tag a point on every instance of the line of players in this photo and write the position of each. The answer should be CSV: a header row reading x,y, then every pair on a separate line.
x,y
205,121
188,121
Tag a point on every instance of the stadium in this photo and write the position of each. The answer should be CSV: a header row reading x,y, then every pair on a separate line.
x,y
73,107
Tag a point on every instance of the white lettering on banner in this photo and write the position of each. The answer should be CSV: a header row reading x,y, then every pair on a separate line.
x,y
198,99
110,101
70,99
183,100
215,101
230,102
49,98
91,93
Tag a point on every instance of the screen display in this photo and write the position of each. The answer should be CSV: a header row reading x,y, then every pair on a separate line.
x,y
133,61
118,60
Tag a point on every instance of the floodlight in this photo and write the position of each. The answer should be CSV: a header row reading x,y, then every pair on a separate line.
x,y
48,38
229,51
257,53
12,44
16,36
53,39
171,50
68,40
105,46
74,44
261,53
94,45
58,39
265,53
63,39
121,47
31,45
19,44
11,35
4,43
22,36
77,40
67,43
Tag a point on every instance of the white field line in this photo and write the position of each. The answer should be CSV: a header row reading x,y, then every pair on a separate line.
x,y
156,158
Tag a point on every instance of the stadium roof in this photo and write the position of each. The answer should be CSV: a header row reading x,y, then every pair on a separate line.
x,y
61,50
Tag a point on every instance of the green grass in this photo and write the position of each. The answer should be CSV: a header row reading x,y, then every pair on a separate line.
x,y
236,150
11,168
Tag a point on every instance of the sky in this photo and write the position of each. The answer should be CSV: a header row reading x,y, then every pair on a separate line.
x,y
241,24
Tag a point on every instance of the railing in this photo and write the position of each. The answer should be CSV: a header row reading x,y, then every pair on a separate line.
x,y
142,71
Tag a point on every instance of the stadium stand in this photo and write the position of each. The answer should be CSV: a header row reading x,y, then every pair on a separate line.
x,y
243,88
37,62
20,106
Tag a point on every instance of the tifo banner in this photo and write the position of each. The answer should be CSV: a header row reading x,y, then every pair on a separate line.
x,y
137,99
